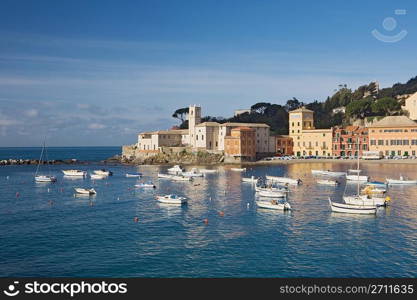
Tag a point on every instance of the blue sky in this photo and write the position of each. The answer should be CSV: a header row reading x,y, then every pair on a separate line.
x,y
98,72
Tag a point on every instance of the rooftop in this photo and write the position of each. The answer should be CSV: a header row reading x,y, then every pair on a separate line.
x,y
178,131
301,109
394,121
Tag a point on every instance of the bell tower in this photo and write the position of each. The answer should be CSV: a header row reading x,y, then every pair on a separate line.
x,y
194,118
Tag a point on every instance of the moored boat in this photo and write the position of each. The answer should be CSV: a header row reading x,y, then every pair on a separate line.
x,y
45,178
103,172
328,173
166,176
273,204
176,169
74,173
327,182
134,175
284,180
251,179
97,176
351,208
85,191
357,177
181,178
238,169
193,173
366,200
402,180
272,194
208,171
145,185
171,199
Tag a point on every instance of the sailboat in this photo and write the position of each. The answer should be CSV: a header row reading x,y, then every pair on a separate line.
x,y
43,178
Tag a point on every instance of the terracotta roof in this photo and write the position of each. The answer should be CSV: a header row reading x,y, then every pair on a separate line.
x,y
394,121
179,131
243,128
250,125
208,124
301,109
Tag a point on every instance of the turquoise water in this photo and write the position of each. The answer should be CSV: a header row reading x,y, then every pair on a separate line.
x,y
97,236
80,153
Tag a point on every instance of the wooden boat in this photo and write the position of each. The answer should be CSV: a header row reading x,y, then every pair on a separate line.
x,y
284,180
85,191
352,209
145,185
74,173
251,179
43,178
272,194
103,172
273,204
171,199
328,182
328,173
134,175
238,169
400,181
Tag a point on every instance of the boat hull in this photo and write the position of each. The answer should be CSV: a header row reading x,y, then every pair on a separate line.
x,y
74,173
397,181
357,178
269,205
272,194
363,200
42,178
283,180
168,200
352,209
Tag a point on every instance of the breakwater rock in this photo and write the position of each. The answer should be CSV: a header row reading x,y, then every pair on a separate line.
x,y
11,161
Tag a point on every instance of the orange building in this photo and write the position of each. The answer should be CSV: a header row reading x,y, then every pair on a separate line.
x,y
393,135
240,145
284,145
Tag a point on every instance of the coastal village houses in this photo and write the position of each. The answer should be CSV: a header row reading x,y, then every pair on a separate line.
x,y
350,141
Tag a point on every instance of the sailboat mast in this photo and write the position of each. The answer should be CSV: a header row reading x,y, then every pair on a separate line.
x,y
40,158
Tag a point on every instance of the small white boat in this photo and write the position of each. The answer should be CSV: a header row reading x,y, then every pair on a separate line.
x,y
208,171
328,182
356,171
400,181
145,185
273,204
272,194
45,178
176,169
358,177
365,200
166,176
251,179
181,178
283,189
75,173
238,169
134,175
193,173
284,180
103,172
328,173
171,199
85,191
97,176
351,208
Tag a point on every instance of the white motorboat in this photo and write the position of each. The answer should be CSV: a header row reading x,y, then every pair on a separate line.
x,y
103,172
85,191
238,169
171,199
272,188
136,175
273,204
44,178
251,179
351,208
145,185
272,194
74,173
284,180
166,176
328,173
181,178
97,176
328,182
356,171
366,200
176,169
400,181
193,173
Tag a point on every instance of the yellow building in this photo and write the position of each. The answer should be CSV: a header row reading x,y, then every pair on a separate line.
x,y
411,106
307,140
393,135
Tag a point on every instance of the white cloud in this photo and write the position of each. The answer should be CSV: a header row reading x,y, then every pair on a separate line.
x,y
31,112
96,126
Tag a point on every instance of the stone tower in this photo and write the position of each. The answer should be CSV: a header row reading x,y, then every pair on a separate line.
x,y
194,118
300,119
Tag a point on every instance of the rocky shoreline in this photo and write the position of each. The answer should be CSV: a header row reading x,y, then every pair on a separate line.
x,y
12,162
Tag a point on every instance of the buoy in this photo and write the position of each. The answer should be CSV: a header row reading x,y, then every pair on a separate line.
x,y
48,190
7,177
221,214
388,198
118,198
205,221
17,195
136,219
247,205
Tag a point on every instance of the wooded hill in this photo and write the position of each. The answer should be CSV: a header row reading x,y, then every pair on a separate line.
x,y
365,101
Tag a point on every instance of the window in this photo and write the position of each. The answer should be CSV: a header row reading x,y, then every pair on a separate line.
x,y
406,142
202,138
373,142
380,142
